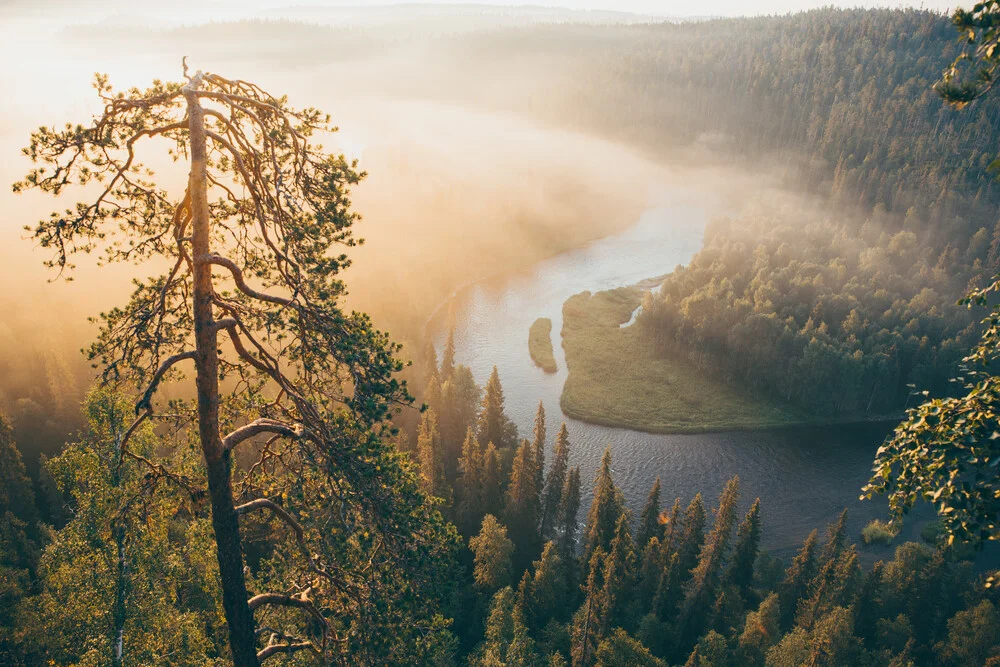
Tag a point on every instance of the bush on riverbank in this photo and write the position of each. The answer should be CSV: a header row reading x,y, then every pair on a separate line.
x,y
540,345
879,532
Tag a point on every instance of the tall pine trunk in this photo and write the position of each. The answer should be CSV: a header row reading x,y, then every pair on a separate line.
x,y
225,521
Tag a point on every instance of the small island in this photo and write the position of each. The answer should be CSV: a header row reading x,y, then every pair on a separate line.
x,y
540,345
615,378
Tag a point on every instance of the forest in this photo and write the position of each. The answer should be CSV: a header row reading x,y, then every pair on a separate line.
x,y
260,476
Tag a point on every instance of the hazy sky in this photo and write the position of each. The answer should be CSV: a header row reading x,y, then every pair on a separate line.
x,y
225,8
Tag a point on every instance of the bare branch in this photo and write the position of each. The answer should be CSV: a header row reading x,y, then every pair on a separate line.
x,y
147,396
258,426
237,272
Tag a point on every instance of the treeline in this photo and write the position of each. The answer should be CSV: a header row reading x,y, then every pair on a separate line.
x,y
685,585
124,560
838,321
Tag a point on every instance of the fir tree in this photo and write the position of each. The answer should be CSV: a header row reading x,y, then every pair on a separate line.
x,y
605,510
798,576
649,520
554,483
494,425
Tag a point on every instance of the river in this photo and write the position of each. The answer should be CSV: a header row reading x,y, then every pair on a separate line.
x,y
803,476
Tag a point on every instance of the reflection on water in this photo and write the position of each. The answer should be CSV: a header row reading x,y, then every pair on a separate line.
x,y
804,476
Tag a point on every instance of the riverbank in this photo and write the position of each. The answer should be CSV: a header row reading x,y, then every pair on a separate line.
x,y
615,379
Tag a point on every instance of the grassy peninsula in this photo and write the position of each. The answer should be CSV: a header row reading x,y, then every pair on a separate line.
x,y
616,380
540,345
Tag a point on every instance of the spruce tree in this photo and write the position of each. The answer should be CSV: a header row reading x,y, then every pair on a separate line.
x,y
521,507
672,531
507,641
740,572
619,574
761,630
605,510
492,482
692,538
701,592
835,540
538,445
798,576
431,457
459,403
649,520
589,621
448,357
494,426
470,467
569,507
492,550
549,586
554,483
650,570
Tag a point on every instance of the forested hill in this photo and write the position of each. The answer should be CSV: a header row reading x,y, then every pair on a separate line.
x,y
842,310
843,96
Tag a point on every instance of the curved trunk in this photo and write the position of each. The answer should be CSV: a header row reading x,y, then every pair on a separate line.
x,y
225,522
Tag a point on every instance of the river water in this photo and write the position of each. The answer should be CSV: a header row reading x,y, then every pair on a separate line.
x,y
803,476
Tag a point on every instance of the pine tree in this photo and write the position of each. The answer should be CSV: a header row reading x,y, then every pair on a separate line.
x,y
649,520
539,447
521,507
740,572
470,467
431,458
605,510
494,425
492,481
554,483
798,576
705,577
448,357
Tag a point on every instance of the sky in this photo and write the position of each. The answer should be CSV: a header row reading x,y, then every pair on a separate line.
x,y
225,8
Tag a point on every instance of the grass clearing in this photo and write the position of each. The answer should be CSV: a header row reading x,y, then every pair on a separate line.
x,y
615,379
540,345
